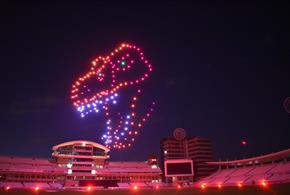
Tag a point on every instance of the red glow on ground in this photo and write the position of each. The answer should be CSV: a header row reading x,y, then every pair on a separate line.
x,y
264,183
178,186
157,187
89,188
220,186
240,185
36,189
7,188
203,186
135,188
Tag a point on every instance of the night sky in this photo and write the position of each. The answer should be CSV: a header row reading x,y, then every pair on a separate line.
x,y
221,71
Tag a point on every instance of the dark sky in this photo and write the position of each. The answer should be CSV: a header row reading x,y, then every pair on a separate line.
x,y
221,71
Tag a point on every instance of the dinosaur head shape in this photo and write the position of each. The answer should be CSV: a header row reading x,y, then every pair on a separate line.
x,y
98,89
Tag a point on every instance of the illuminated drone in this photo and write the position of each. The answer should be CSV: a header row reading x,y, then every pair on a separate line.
x,y
117,77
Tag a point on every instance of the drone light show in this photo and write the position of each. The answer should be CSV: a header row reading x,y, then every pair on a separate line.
x,y
113,88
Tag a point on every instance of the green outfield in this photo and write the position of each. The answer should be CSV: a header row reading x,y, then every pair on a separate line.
x,y
255,190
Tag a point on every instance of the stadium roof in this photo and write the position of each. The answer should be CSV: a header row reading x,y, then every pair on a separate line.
x,y
81,142
255,160
24,160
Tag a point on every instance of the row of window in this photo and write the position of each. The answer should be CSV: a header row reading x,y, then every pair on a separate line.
x,y
83,147
82,165
91,153
29,177
120,178
194,150
82,160
81,171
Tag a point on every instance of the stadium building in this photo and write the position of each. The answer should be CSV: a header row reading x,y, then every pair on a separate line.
x,y
262,170
77,164
197,149
18,172
83,165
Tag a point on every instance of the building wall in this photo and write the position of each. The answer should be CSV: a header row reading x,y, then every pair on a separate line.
x,y
200,151
19,169
86,162
196,148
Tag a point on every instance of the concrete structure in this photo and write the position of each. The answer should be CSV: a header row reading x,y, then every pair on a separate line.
x,y
76,164
19,172
197,149
261,170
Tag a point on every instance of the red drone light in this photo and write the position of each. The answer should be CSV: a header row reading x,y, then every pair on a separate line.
x,y
220,186
240,185
7,188
157,187
89,188
36,188
178,186
244,142
135,188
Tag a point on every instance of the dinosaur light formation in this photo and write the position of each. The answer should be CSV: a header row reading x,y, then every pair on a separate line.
x,y
116,79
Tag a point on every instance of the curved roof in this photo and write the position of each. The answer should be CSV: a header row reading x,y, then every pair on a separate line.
x,y
80,142
259,159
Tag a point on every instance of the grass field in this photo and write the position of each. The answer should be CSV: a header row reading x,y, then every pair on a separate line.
x,y
255,190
